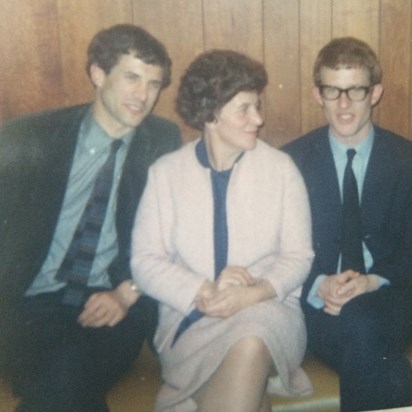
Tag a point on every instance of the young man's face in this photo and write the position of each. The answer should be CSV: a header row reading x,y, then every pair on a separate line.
x,y
126,95
350,121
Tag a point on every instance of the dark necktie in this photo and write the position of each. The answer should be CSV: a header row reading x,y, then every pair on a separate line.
x,y
76,266
352,253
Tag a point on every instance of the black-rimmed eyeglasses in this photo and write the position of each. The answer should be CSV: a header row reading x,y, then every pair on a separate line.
x,y
355,93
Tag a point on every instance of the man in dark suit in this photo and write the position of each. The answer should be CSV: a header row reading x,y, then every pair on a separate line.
x,y
358,311
64,340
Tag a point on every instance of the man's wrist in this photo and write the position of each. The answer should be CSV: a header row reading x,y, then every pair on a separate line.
x,y
134,287
128,292
313,297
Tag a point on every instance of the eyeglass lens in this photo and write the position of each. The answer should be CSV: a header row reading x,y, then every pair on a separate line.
x,y
356,93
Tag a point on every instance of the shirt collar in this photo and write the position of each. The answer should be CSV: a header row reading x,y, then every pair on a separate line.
x,y
203,158
363,149
94,138
201,154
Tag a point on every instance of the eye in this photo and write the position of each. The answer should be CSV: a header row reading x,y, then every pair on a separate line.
x,y
330,91
132,76
155,85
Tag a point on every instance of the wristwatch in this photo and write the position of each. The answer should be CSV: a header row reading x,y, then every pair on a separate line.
x,y
134,287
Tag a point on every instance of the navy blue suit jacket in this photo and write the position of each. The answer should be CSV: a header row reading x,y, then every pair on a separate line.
x,y
386,204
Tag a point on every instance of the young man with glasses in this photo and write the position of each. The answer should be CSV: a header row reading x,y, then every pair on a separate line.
x,y
357,298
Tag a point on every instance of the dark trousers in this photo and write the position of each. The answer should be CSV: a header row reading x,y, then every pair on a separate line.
x,y
56,365
365,344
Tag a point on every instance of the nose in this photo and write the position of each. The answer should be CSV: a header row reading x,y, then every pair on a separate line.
x,y
256,117
141,91
344,100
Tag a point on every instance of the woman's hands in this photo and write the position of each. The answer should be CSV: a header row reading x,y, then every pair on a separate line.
x,y
235,289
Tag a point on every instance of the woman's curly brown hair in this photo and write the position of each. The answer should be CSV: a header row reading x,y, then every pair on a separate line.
x,y
212,80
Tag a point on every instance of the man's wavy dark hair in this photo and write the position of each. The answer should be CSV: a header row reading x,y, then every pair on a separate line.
x,y
108,45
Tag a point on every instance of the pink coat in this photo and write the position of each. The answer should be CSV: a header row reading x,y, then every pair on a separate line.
x,y
172,254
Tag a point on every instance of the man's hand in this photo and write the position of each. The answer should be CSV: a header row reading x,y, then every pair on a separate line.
x,y
107,308
337,290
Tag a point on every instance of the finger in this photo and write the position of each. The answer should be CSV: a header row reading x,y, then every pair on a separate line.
x,y
101,319
93,315
345,290
115,318
216,307
331,311
335,304
237,273
246,277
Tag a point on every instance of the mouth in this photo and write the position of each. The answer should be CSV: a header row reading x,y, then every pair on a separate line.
x,y
135,108
345,117
253,133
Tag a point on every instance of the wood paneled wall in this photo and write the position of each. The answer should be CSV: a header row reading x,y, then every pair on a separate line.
x,y
43,45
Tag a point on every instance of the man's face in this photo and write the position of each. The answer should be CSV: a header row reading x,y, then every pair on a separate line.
x,y
350,121
126,95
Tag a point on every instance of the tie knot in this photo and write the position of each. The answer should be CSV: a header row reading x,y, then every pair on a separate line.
x,y
350,153
116,145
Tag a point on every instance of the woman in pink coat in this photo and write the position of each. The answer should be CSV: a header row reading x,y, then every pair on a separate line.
x,y
222,240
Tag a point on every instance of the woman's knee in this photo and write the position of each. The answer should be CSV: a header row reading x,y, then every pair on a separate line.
x,y
251,349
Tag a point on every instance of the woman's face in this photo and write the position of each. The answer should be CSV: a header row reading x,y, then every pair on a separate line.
x,y
237,124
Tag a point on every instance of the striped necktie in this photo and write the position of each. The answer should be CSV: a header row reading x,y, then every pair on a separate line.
x,y
77,264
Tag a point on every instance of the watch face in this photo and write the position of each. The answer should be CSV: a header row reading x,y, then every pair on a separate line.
x,y
133,286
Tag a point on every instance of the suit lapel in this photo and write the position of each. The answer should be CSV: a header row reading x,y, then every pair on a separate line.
x,y
325,203
325,178
380,174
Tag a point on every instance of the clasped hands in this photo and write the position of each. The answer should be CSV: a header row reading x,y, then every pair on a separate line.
x,y
234,290
338,289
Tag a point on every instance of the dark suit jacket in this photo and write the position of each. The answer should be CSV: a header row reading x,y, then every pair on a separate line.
x,y
36,154
386,204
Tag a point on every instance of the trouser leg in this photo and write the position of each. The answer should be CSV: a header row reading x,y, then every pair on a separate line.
x,y
61,366
365,344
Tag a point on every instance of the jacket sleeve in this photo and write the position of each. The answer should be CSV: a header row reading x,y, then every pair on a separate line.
x,y
155,265
288,268
157,137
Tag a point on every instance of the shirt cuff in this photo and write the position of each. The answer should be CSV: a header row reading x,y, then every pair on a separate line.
x,y
383,281
313,299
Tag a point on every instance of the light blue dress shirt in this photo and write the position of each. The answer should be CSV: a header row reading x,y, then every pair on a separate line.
x,y
359,166
92,150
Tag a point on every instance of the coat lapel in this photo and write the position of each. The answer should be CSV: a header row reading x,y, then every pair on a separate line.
x,y
380,174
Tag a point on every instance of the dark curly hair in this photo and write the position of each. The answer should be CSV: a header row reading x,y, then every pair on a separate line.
x,y
108,45
212,80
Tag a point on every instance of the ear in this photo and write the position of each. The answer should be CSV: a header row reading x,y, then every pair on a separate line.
x,y
316,95
212,124
97,75
377,91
